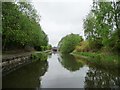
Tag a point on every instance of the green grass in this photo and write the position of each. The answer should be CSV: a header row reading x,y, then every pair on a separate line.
x,y
39,56
101,59
86,54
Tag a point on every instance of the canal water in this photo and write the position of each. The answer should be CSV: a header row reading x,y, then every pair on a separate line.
x,y
62,71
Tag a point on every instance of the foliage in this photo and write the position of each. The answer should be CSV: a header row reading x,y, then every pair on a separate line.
x,y
49,47
39,56
69,62
69,42
100,59
83,47
20,26
102,25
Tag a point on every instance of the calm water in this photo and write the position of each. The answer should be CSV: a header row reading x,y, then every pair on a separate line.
x,y
64,71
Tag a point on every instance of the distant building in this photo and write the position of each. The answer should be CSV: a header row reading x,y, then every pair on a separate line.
x,y
55,49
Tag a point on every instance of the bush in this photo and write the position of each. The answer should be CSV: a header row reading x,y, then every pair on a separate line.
x,y
39,56
83,47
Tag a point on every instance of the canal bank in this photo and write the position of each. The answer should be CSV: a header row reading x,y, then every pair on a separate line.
x,y
61,71
11,62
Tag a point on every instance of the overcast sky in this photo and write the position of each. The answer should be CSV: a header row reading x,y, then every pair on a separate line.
x,y
62,17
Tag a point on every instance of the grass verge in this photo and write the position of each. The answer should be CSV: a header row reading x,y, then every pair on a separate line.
x,y
100,59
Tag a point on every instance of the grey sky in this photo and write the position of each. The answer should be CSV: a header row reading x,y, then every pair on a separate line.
x,y
59,18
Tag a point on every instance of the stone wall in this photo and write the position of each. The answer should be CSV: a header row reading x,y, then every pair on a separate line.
x,y
12,63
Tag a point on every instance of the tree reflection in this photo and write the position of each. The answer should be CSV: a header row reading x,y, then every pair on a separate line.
x,y
49,55
96,78
69,62
27,76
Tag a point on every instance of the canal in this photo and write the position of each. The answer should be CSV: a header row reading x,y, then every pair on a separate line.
x,y
62,71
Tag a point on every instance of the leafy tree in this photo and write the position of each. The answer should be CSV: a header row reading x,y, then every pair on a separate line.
x,y
102,25
68,43
21,26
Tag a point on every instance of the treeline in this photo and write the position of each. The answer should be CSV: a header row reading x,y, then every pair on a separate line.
x,y
102,26
21,28
101,29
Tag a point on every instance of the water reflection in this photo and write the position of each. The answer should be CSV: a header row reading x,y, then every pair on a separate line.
x,y
100,75
66,72
49,55
69,62
99,78
27,76
83,74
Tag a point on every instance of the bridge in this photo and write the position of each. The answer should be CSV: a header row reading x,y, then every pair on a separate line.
x,y
55,49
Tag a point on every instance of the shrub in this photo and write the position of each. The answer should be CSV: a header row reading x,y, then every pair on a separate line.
x,y
83,47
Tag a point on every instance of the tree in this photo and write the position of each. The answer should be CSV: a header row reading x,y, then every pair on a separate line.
x,y
21,26
68,43
102,25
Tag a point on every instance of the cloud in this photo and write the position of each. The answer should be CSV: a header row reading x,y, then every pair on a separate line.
x,y
61,18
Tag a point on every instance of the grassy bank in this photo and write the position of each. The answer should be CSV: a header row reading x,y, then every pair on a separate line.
x,y
100,59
